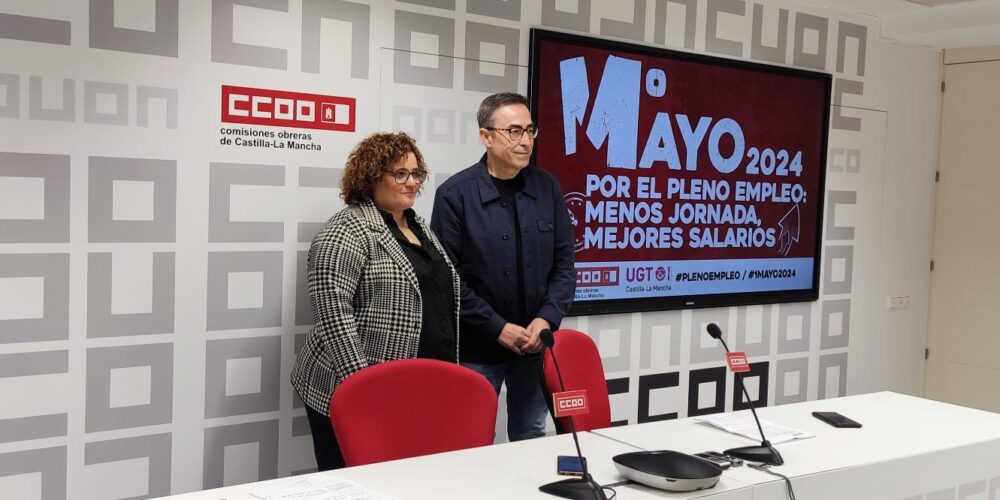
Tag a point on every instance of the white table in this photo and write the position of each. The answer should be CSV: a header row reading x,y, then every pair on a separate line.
x,y
504,471
509,471
908,449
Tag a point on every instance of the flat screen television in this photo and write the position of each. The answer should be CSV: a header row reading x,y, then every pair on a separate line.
x,y
691,181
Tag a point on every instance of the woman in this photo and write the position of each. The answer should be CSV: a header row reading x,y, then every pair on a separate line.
x,y
381,285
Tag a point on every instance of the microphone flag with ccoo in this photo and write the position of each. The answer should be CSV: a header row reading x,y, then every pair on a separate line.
x,y
569,403
765,453
737,361
583,488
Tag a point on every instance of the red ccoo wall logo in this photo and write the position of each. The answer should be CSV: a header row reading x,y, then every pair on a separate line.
x,y
570,403
278,108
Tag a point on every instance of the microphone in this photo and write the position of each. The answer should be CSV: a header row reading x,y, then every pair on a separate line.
x,y
548,340
765,453
583,488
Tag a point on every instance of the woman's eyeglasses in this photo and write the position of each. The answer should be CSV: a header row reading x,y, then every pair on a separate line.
x,y
402,175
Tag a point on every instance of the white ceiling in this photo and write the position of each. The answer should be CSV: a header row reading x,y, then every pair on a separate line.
x,y
943,24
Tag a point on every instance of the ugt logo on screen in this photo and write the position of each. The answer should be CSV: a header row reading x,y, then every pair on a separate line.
x,y
279,108
569,403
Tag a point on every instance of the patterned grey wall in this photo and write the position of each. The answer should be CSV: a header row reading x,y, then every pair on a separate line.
x,y
222,176
110,114
102,322
35,29
104,226
48,463
225,50
53,324
359,17
156,449
53,226
161,41
110,369
230,391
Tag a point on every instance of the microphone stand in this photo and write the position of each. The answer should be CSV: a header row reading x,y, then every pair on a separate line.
x,y
765,453
583,488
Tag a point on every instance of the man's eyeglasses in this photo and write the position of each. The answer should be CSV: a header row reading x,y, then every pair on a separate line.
x,y
402,175
515,133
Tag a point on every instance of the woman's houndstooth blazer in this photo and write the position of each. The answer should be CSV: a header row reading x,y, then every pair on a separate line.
x,y
366,302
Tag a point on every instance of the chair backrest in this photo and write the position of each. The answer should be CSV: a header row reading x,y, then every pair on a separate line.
x,y
411,407
581,367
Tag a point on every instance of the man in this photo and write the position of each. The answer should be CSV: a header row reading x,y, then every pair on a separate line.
x,y
507,229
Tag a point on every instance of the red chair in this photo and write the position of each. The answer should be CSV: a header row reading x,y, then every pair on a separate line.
x,y
581,367
412,407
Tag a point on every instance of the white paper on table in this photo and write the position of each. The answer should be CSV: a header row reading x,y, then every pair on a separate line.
x,y
318,488
742,423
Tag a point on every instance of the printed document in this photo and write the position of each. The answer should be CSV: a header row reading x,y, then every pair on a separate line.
x,y
742,423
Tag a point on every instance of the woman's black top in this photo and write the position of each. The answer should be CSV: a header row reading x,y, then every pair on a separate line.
x,y
437,329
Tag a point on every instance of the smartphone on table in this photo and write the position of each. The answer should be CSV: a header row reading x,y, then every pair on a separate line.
x,y
835,419
716,458
567,465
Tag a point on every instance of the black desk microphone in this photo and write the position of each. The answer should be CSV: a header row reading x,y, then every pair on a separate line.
x,y
765,453
583,488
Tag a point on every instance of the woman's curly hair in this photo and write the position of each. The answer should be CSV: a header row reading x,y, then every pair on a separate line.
x,y
370,159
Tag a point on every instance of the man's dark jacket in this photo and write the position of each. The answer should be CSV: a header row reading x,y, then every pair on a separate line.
x,y
476,227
